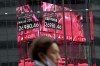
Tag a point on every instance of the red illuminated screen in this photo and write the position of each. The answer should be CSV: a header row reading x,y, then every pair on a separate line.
x,y
29,27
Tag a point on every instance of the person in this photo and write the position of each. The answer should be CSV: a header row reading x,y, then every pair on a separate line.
x,y
45,51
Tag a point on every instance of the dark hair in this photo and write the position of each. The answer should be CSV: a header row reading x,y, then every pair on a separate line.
x,y
41,44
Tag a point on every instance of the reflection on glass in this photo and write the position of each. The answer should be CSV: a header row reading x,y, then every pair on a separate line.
x,y
39,18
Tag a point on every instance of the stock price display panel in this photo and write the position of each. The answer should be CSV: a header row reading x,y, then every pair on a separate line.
x,y
27,24
51,21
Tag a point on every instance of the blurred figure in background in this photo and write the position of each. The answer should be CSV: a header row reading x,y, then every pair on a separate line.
x,y
45,51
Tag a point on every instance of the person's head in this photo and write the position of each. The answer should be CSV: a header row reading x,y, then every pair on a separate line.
x,y
45,46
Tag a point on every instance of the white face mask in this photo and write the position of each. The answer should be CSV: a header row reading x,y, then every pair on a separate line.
x,y
49,62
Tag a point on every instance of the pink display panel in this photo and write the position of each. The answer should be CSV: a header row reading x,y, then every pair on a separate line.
x,y
29,26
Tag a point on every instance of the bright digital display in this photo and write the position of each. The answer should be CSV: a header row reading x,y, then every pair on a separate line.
x,y
34,21
29,26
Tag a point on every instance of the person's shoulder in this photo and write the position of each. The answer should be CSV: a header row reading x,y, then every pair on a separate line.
x,y
37,63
